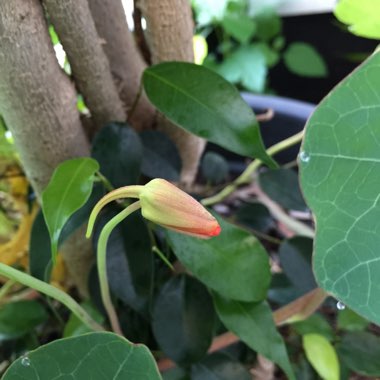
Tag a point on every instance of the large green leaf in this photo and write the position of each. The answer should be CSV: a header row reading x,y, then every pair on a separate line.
x,y
234,255
206,105
253,324
183,319
67,191
362,16
95,356
340,169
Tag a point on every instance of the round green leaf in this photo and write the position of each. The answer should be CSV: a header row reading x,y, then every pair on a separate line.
x,y
322,356
339,166
118,150
19,318
234,255
183,319
254,215
302,59
205,105
160,156
362,16
214,167
95,356
253,324
68,190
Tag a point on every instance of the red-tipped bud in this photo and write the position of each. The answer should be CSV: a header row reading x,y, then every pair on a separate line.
x,y
165,204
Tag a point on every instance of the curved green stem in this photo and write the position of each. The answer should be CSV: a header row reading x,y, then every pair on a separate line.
x,y
246,176
102,264
51,291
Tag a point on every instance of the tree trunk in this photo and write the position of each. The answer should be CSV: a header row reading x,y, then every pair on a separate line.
x,y
75,27
170,33
38,104
125,60
37,100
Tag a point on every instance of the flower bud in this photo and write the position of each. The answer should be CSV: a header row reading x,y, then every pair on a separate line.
x,y
172,208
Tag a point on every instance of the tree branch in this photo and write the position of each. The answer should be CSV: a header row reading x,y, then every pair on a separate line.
x,y
125,60
75,27
170,38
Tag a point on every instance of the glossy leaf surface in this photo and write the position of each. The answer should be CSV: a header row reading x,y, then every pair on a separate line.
x,y
253,324
67,191
206,105
340,168
234,255
95,356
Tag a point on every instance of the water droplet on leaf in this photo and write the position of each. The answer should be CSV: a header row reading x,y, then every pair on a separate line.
x,y
340,305
304,157
25,361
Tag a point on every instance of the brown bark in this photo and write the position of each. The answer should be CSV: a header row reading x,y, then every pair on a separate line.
x,y
38,102
169,34
125,60
75,27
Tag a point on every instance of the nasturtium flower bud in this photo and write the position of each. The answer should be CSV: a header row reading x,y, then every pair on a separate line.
x,y
167,205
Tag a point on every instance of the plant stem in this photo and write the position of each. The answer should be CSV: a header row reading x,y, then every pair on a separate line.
x,y
246,176
102,264
104,180
6,288
51,291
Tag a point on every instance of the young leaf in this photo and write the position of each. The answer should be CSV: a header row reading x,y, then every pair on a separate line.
x,y
206,105
302,59
67,191
95,356
322,356
362,16
234,255
253,324
339,166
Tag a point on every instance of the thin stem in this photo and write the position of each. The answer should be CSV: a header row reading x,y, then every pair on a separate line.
x,y
51,291
135,102
161,255
6,288
104,180
102,264
246,176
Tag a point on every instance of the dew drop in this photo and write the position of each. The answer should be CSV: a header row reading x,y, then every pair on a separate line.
x,y
340,305
304,157
25,361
